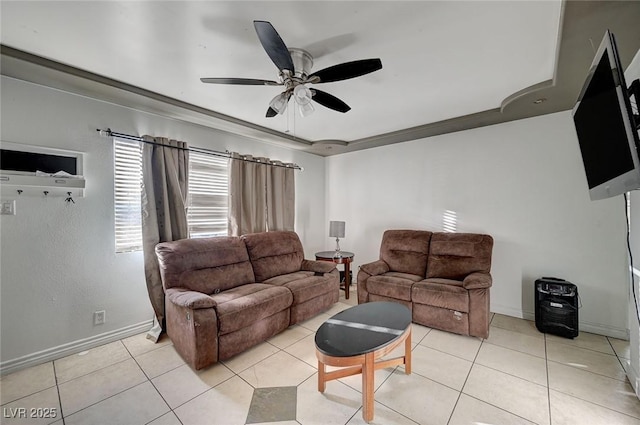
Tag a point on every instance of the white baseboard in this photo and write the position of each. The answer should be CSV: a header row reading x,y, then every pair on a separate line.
x,y
595,328
507,311
74,347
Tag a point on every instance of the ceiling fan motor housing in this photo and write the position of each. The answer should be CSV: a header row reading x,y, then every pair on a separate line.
x,y
302,62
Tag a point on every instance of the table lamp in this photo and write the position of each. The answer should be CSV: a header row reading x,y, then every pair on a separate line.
x,y
336,230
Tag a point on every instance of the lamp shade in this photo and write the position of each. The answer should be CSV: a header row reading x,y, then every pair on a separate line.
x,y
336,229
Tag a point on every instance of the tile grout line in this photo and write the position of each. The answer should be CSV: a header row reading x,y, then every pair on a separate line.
x,y
95,370
618,357
474,363
590,371
149,379
107,398
594,373
546,364
565,344
55,377
457,356
466,378
499,408
378,401
99,401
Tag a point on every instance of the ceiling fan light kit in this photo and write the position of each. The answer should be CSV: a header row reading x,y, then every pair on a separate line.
x,y
294,67
306,109
279,103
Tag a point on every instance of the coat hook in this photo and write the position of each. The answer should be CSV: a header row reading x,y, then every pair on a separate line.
x,y
69,199
46,192
19,191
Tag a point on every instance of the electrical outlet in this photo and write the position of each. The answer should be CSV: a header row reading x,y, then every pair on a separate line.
x,y
99,317
8,207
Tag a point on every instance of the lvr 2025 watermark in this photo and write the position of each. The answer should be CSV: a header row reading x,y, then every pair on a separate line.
x,y
31,412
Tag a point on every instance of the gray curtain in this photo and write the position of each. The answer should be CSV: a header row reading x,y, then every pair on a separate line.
x,y
281,195
164,211
261,195
247,195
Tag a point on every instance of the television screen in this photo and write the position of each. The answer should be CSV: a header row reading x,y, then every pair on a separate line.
x,y
605,127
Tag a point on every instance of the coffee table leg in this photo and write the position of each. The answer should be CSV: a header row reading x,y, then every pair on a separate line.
x,y
407,353
322,384
368,370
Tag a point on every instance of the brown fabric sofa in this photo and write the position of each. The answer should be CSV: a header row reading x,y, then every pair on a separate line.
x,y
443,278
226,294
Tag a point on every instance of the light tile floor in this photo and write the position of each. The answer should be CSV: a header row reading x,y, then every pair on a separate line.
x,y
516,376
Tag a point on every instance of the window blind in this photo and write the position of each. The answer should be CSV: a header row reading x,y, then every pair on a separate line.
x,y
208,195
207,203
127,190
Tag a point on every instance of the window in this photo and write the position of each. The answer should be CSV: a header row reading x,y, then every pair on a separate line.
x,y
127,182
208,195
207,203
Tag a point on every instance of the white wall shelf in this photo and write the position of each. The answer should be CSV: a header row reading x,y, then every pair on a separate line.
x,y
20,175
15,185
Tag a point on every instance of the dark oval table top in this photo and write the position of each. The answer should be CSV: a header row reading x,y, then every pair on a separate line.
x,y
362,329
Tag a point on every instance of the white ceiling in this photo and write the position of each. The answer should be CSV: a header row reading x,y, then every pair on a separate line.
x,y
441,59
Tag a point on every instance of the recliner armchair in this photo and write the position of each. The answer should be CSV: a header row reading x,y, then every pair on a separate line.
x,y
443,278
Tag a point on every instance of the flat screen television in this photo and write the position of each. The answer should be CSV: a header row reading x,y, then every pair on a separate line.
x,y
605,126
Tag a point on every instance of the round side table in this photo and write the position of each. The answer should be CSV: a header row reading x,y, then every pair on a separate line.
x,y
346,259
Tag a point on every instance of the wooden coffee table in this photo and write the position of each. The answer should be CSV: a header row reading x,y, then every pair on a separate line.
x,y
356,338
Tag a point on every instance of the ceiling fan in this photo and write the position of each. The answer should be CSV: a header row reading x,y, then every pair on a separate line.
x,y
295,66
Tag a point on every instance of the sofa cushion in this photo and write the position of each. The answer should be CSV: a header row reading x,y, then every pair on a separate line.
x,y
274,253
305,285
392,286
206,265
444,293
241,306
406,251
409,276
455,255
289,277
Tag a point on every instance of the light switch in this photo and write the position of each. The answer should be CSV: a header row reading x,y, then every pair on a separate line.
x,y
8,207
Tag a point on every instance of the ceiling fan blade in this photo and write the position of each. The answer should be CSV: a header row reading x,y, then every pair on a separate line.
x,y
346,70
240,81
271,112
330,101
273,45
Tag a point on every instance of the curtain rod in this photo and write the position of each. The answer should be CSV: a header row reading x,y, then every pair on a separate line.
x,y
205,151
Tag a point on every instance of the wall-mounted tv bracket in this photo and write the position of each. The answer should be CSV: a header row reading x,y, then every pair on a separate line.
x,y
634,90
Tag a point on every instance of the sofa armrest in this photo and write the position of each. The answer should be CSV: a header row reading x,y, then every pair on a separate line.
x,y
189,299
477,280
375,268
317,266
